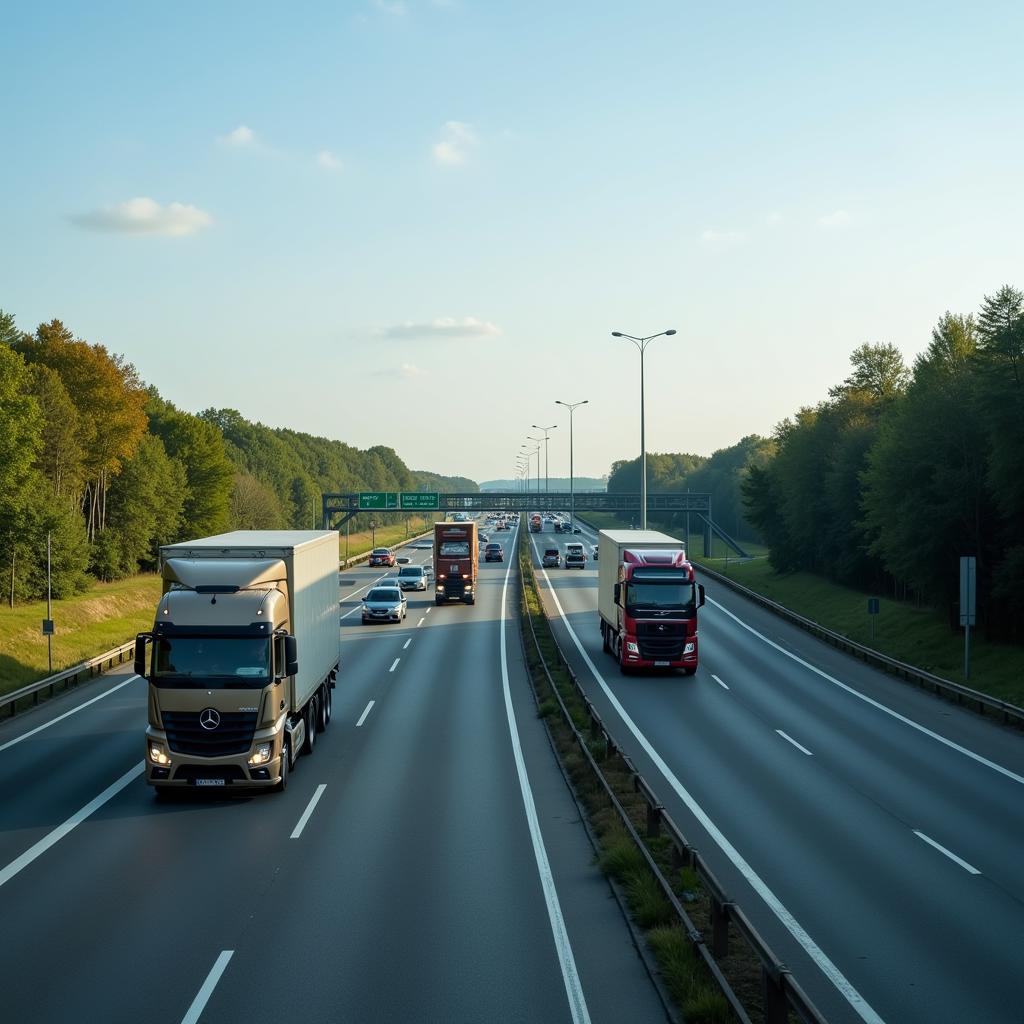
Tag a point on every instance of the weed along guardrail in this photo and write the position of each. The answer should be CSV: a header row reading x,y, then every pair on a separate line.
x,y
751,976
982,703
28,696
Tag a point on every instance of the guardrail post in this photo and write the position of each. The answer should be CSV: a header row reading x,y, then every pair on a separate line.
x,y
653,821
719,928
776,1006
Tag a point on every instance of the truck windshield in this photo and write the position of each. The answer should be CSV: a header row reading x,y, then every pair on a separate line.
x,y
679,597
455,549
212,662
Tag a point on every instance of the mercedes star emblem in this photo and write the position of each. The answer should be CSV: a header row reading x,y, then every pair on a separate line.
x,y
209,718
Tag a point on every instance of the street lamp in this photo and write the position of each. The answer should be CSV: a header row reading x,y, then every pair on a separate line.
x,y
546,430
538,441
641,344
572,407
530,454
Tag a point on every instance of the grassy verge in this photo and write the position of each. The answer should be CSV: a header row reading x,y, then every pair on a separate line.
x,y
689,983
385,536
86,625
918,636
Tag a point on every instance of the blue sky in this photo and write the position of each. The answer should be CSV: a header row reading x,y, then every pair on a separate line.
x,y
416,223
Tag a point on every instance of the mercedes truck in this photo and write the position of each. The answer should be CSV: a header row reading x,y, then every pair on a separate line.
x,y
648,598
456,554
241,659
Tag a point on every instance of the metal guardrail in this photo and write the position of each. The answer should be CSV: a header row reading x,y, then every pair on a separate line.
x,y
347,563
782,993
68,677
1007,713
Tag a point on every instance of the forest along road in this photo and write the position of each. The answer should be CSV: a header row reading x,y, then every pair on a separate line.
x,y
416,869
873,833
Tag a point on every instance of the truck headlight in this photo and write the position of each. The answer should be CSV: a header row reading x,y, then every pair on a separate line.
x,y
158,755
631,647
689,648
261,755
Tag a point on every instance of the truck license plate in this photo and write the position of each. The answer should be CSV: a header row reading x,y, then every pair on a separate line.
x,y
662,664
209,782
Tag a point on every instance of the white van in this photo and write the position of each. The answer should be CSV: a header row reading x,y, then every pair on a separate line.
x,y
575,555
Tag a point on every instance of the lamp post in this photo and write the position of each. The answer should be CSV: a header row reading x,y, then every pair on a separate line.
x,y
641,344
572,407
530,453
546,430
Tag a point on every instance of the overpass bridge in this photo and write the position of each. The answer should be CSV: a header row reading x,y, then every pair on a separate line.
x,y
626,505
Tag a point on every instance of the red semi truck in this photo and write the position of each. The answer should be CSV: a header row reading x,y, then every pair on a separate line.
x,y
456,554
648,598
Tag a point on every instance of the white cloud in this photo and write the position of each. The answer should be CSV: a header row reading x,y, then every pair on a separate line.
x,y
328,161
458,138
715,237
144,216
442,327
241,137
774,219
839,219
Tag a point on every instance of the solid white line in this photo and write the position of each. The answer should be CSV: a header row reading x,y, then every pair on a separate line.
x,y
420,623
874,703
63,829
789,739
394,664
60,718
406,644
573,988
719,681
203,995
857,1002
310,807
366,711
951,856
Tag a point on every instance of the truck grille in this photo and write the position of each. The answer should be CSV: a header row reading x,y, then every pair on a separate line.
x,y
661,641
232,736
453,587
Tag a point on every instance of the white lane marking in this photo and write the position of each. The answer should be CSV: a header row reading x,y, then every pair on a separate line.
x,y
719,681
573,988
394,664
310,807
874,703
73,711
366,711
406,644
427,612
352,593
789,739
856,1001
63,829
949,854
420,623
203,995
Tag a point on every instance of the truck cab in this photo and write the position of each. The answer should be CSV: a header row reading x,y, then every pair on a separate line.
x,y
456,558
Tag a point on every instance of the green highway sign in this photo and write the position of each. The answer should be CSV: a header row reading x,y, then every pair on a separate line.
x,y
373,500
420,500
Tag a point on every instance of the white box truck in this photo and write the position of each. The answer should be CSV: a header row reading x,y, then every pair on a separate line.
x,y
242,657
647,597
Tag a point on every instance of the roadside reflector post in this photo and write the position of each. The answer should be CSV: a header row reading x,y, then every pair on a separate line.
x,y
653,821
719,928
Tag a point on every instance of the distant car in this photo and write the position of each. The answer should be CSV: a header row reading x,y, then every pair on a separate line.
x,y
552,558
412,577
502,526
593,552
493,553
382,556
385,604
558,526
575,556
576,529
483,539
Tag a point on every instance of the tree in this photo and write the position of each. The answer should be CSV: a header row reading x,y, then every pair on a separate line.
x,y
61,453
878,370
9,332
254,506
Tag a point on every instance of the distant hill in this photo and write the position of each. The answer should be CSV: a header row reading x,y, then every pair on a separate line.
x,y
555,483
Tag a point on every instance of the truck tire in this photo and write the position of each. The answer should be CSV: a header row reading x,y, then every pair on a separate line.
x,y
282,784
323,708
604,638
689,671
438,600
311,722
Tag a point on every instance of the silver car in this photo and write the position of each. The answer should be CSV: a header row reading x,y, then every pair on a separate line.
x,y
412,577
384,604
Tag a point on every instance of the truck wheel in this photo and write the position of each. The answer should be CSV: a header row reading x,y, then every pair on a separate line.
x,y
311,719
282,784
604,638
689,671
324,715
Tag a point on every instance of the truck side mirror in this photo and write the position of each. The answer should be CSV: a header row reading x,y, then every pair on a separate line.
x,y
142,642
700,595
291,656
618,593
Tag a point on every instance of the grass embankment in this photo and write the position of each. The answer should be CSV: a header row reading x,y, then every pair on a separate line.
x,y
918,636
686,978
360,542
109,614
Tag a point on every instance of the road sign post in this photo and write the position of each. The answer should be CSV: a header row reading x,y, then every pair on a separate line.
x,y
874,606
968,605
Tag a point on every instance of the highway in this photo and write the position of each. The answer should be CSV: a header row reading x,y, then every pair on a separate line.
x,y
873,833
426,863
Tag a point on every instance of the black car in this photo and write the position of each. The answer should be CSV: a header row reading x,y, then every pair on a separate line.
x,y
493,553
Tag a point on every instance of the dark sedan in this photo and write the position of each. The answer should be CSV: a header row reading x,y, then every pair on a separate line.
x,y
493,553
